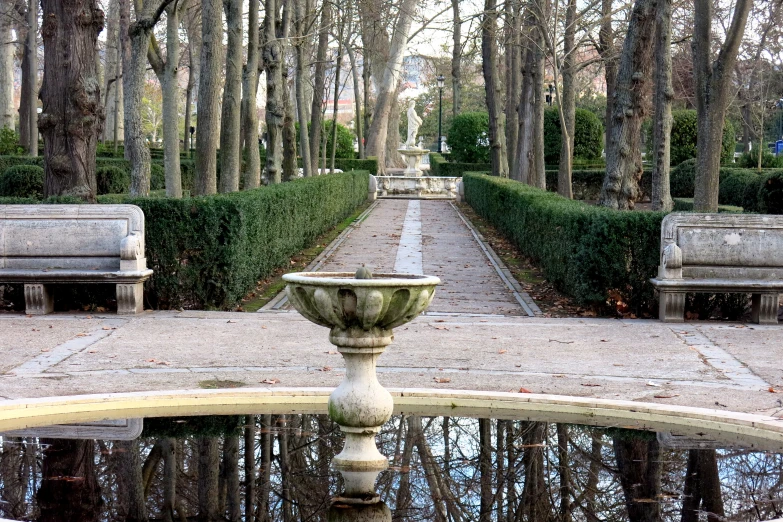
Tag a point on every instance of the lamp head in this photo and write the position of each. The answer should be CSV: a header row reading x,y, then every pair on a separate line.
x,y
441,81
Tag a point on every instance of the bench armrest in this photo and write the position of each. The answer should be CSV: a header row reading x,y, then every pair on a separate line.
x,y
671,262
132,252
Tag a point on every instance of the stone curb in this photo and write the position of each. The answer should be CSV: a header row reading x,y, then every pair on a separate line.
x,y
26,413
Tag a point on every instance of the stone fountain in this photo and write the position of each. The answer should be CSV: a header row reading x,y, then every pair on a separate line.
x,y
361,310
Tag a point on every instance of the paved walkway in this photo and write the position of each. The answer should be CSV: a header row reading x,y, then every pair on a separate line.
x,y
481,334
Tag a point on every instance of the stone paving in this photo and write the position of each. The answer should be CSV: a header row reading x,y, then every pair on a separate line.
x,y
478,335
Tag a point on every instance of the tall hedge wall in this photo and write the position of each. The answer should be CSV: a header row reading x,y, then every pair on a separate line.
x,y
587,252
209,252
440,166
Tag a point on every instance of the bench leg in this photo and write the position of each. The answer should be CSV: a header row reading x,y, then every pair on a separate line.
x,y
130,299
671,307
38,300
764,308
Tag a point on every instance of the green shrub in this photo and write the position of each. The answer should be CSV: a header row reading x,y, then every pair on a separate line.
x,y
158,176
588,136
9,142
770,195
468,138
112,180
344,141
22,181
740,188
347,164
768,160
588,252
587,183
187,171
683,137
682,179
440,167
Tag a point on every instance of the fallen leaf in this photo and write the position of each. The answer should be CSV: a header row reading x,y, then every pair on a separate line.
x,y
231,321
502,351
270,381
650,383
151,360
524,390
773,390
104,328
92,351
666,396
325,369
81,335
589,384
164,362
331,352
441,380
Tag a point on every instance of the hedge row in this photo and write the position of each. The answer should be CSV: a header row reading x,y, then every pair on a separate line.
x,y
586,184
591,253
440,166
209,252
751,189
686,205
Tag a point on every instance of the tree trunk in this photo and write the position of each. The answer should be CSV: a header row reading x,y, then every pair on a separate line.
x,y
72,115
208,470
387,81
230,122
210,83
319,84
251,468
113,75
607,51
358,126
193,30
80,498
301,109
535,501
134,76
564,469
712,83
620,189
231,474
456,60
252,176
485,469
289,166
702,492
337,71
7,52
513,45
639,469
493,87
130,478
265,469
529,167
82,39
169,450
274,52
567,104
662,119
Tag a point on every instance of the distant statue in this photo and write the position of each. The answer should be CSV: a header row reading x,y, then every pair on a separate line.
x,y
414,122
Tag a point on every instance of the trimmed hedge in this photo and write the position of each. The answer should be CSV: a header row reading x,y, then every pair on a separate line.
x,y
209,252
588,136
112,179
771,194
586,184
588,252
439,166
468,137
22,181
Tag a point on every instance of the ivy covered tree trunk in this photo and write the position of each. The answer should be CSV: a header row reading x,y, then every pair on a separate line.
x,y
274,52
230,122
252,174
620,189
210,83
712,83
493,87
72,117
662,120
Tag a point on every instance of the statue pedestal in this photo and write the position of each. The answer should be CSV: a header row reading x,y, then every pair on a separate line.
x,y
412,157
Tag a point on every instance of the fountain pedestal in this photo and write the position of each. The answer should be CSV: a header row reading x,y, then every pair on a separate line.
x,y
361,314
412,157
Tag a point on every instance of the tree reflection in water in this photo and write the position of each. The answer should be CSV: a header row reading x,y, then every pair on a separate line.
x,y
441,468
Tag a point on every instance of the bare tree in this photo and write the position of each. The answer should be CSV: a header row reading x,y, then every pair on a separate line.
x,y
252,175
275,35
300,46
112,80
230,122
620,189
456,59
72,116
662,119
319,83
7,51
209,98
32,70
713,80
493,88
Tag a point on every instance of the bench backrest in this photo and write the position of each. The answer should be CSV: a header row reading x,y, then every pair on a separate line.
x,y
67,236
744,246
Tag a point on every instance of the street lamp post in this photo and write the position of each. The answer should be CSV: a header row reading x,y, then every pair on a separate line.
x,y
441,83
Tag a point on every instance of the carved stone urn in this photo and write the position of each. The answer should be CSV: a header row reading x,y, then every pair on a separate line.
x,y
361,313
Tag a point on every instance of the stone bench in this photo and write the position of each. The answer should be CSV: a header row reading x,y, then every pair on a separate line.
x,y
721,253
41,245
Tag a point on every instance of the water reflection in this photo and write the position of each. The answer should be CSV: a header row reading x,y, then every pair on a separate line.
x,y
441,468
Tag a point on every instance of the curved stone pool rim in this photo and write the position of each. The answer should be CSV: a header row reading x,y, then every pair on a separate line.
x,y
24,413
